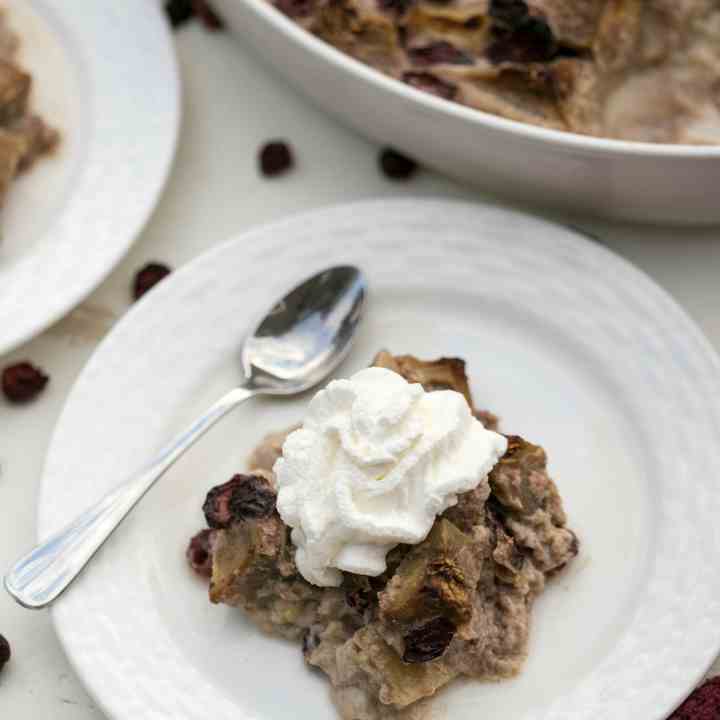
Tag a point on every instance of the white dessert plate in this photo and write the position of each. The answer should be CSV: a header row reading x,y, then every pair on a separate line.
x,y
572,346
105,75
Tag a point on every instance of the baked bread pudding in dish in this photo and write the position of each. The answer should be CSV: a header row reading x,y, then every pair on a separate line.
x,y
395,534
643,70
24,136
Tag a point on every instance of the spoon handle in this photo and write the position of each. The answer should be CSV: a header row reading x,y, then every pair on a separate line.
x,y
38,578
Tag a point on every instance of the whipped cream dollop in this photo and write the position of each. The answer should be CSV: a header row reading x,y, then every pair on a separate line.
x,y
375,461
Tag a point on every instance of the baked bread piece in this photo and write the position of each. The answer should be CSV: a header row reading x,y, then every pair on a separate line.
x,y
456,604
441,374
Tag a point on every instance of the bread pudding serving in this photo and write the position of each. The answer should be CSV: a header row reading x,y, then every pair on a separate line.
x,y
396,535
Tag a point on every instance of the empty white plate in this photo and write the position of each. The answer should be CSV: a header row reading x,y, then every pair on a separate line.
x,y
105,75
572,346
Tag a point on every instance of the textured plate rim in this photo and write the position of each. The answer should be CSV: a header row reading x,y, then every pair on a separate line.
x,y
710,640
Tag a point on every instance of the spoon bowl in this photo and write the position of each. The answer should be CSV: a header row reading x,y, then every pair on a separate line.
x,y
307,334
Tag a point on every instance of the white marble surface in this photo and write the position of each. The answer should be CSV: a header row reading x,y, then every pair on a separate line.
x,y
232,103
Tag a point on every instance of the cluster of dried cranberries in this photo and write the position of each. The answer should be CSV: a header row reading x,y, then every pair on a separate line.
x,y
243,497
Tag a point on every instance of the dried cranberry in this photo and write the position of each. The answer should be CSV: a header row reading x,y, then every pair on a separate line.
x,y
439,53
149,276
532,42
5,652
360,595
519,34
564,51
180,12
398,6
431,84
509,12
396,166
275,158
243,497
199,552
703,704
208,16
23,382
429,641
295,8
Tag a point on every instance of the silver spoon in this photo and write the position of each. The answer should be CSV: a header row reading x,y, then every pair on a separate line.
x,y
298,343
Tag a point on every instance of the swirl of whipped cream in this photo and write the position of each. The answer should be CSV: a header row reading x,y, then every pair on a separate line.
x,y
375,461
